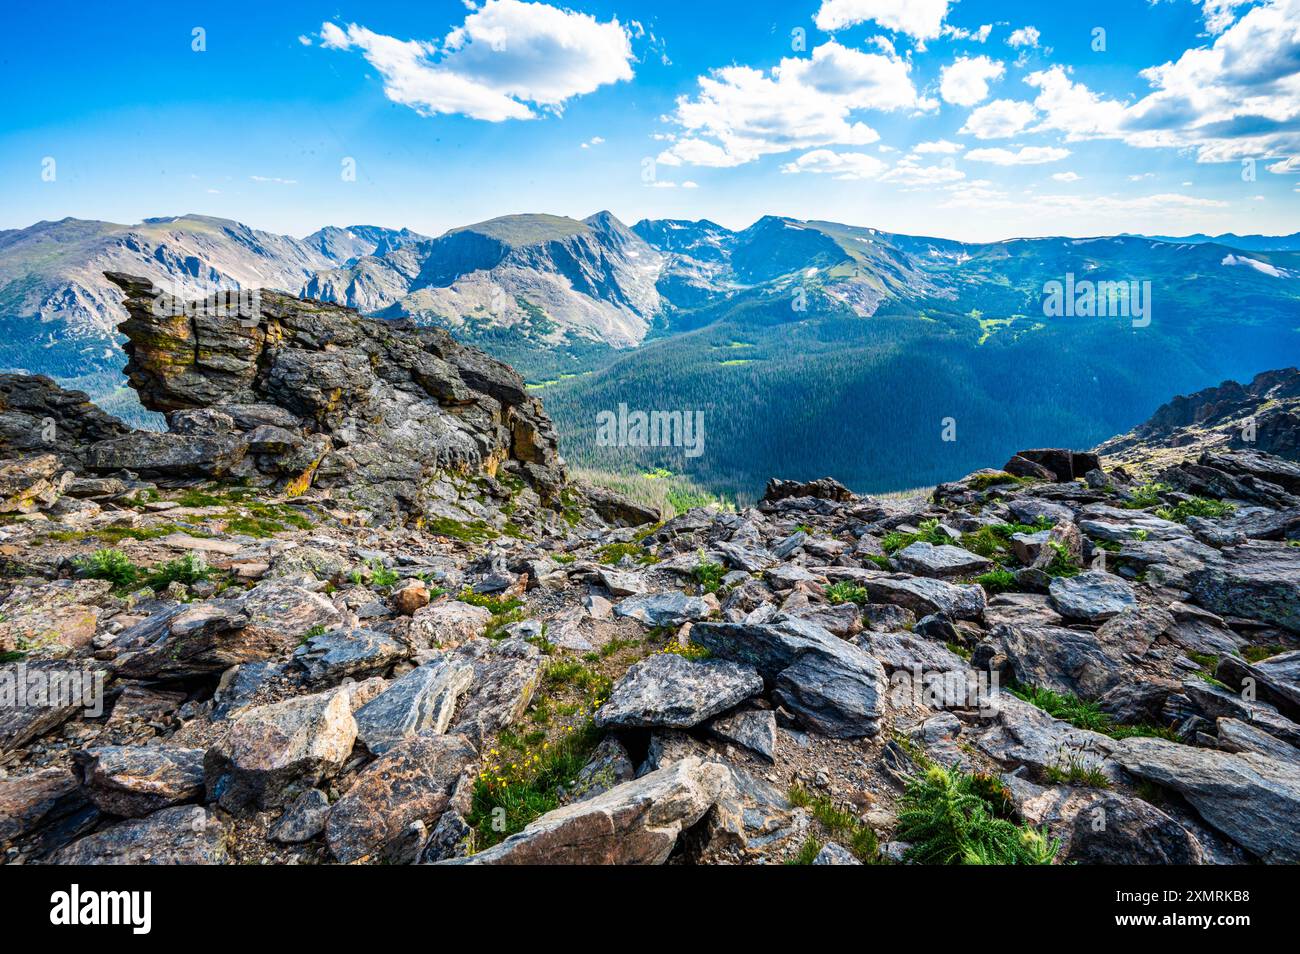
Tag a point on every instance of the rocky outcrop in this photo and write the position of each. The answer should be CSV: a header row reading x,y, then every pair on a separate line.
x,y
304,394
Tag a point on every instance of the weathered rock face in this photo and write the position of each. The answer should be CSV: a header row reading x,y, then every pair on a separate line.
x,y
184,835
1250,798
37,416
667,690
309,394
636,823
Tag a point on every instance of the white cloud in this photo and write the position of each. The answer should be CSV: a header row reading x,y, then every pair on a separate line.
x,y
505,59
1237,98
304,40
842,165
911,173
920,19
593,141
999,119
961,33
1285,166
689,184
1025,36
965,81
1220,14
1025,156
273,180
939,145
1066,176
742,113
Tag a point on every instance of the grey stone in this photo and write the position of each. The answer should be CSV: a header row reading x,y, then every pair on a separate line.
x,y
421,701
668,690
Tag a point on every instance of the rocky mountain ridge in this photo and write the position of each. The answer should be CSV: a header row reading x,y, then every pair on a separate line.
x,y
1082,665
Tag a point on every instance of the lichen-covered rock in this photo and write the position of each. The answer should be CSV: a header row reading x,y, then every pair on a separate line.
x,y
375,409
420,702
412,782
137,780
273,753
184,835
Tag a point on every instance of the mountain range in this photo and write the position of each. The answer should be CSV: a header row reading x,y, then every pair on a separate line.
x,y
801,342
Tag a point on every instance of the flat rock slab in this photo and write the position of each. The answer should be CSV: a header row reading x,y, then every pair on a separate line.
x,y
184,835
137,780
926,559
924,596
36,697
411,783
1253,799
754,730
1093,596
636,823
422,701
334,655
303,820
1256,580
665,609
670,691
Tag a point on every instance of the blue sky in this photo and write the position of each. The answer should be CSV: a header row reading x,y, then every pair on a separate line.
x,y
973,120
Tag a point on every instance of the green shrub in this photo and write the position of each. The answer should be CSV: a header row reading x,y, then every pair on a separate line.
x,y
949,819
1145,496
842,825
612,553
188,570
846,591
997,581
112,565
1196,507
708,575
927,532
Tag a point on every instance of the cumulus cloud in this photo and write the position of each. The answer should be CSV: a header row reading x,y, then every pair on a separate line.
x,y
1066,176
920,19
506,60
1237,98
1024,156
999,119
841,165
910,172
741,114
965,81
1025,36
939,145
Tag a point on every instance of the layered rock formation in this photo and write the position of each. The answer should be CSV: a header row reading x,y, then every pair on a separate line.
x,y
303,395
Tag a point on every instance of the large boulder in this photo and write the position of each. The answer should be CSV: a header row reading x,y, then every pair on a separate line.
x,y
375,411
272,753
636,823
421,702
412,782
834,687
924,596
670,691
183,835
1063,660
1251,798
